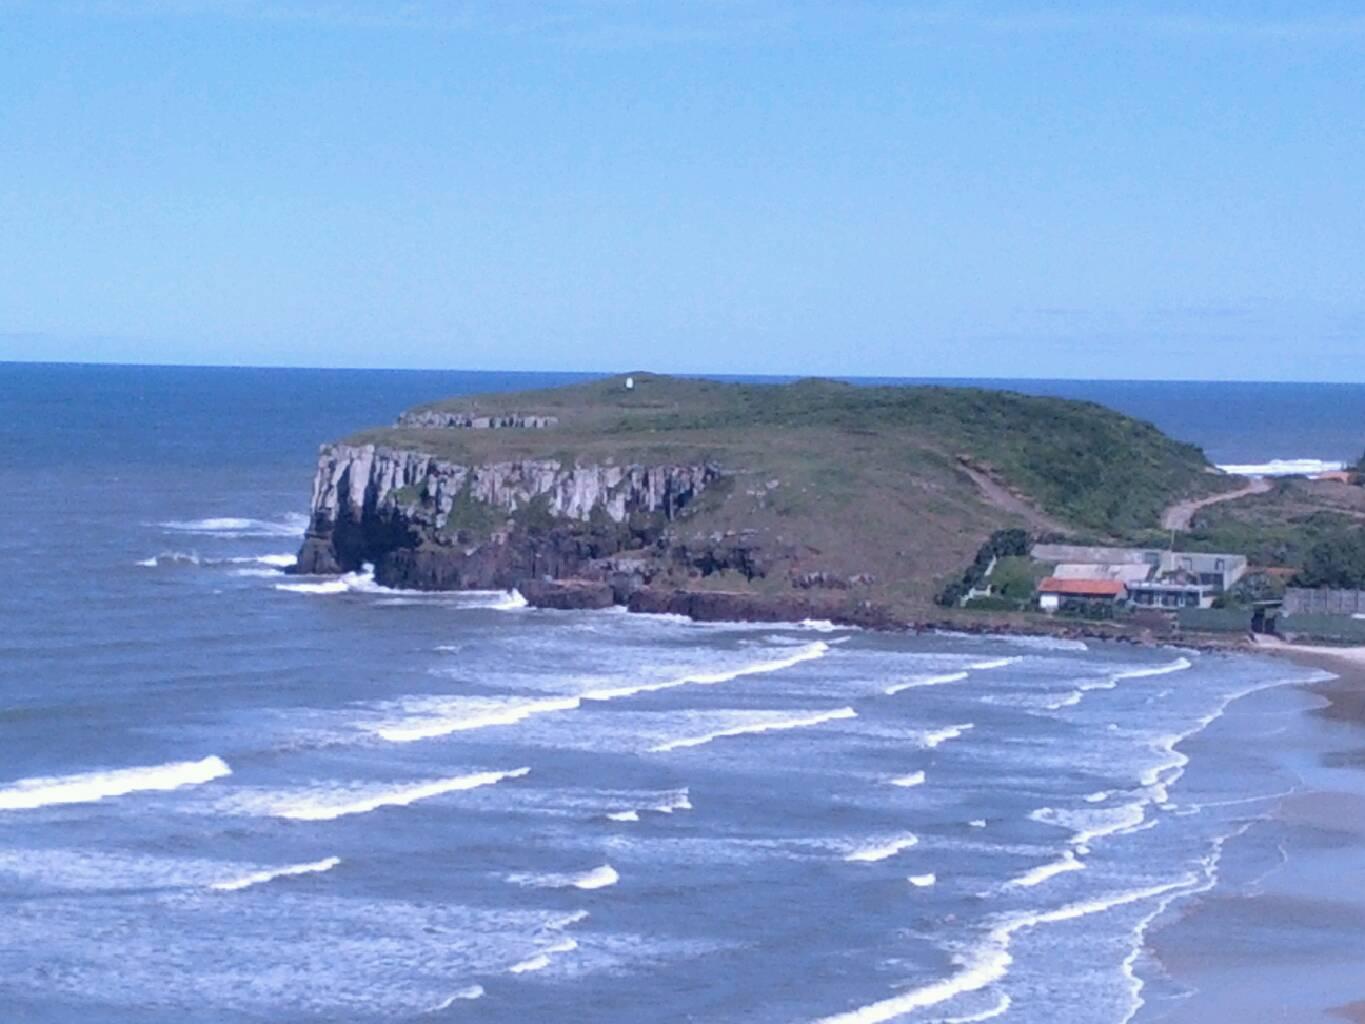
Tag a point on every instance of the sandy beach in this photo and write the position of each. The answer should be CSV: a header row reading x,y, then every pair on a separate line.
x,y
1282,937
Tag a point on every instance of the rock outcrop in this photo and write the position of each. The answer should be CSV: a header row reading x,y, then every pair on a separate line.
x,y
429,523
437,419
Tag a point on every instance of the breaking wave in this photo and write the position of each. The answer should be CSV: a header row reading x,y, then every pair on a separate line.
x,y
923,881
89,787
882,850
269,874
990,961
343,803
774,725
464,714
1039,875
291,525
598,878
911,684
938,737
908,781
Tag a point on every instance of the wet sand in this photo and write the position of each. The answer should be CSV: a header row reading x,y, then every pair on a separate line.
x,y
1284,938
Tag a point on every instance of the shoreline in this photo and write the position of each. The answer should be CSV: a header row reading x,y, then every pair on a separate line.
x,y
1281,936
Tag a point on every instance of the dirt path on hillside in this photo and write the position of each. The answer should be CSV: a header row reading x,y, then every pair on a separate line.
x,y
1007,501
1179,515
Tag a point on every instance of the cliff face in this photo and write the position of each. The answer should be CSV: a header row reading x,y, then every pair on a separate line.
x,y
429,523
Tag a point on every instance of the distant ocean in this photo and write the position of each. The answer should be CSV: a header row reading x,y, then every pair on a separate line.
x,y
231,795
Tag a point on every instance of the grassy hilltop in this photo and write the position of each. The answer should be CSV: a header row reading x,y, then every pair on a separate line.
x,y
901,483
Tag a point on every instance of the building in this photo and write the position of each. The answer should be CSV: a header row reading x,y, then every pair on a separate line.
x,y
1337,616
1054,594
1152,578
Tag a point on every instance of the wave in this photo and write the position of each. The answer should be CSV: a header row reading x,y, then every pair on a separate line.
x,y
542,959
89,787
983,666
908,781
808,652
680,800
937,737
468,992
883,850
1039,875
1044,643
567,921
269,874
598,878
292,525
397,796
774,725
193,558
948,677
990,961
923,881
361,582
477,718
1092,824
1179,665
1069,701
463,718
1285,467
623,816
999,1009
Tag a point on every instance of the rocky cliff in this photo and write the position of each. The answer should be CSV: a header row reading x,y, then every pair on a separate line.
x,y
427,522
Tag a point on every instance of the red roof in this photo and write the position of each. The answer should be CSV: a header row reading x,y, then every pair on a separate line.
x,y
1082,588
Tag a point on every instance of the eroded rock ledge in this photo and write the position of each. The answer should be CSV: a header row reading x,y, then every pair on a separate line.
x,y
431,524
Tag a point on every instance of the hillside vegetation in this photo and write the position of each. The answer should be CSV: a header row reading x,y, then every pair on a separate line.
x,y
846,481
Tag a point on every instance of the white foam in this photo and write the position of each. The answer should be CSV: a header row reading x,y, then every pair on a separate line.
x,y
1037,876
984,666
882,850
773,725
999,1009
567,921
469,992
511,601
536,963
597,878
808,652
939,680
291,525
462,713
1044,643
1069,701
278,561
362,582
937,737
472,714
89,787
624,816
923,881
819,625
977,823
1098,798
270,874
908,781
1179,665
1285,467
352,802
1088,825
991,960
681,800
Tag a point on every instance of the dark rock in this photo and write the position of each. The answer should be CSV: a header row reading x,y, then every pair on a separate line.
x,y
567,595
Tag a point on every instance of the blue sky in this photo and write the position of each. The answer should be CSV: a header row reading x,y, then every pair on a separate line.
x,y
858,187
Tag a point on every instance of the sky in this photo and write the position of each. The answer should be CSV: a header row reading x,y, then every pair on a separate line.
x,y
853,187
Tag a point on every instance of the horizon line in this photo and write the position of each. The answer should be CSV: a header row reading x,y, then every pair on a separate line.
x,y
713,374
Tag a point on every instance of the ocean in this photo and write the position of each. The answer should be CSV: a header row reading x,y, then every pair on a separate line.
x,y
232,795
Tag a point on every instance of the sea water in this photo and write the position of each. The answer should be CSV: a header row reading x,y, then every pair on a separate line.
x,y
228,794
